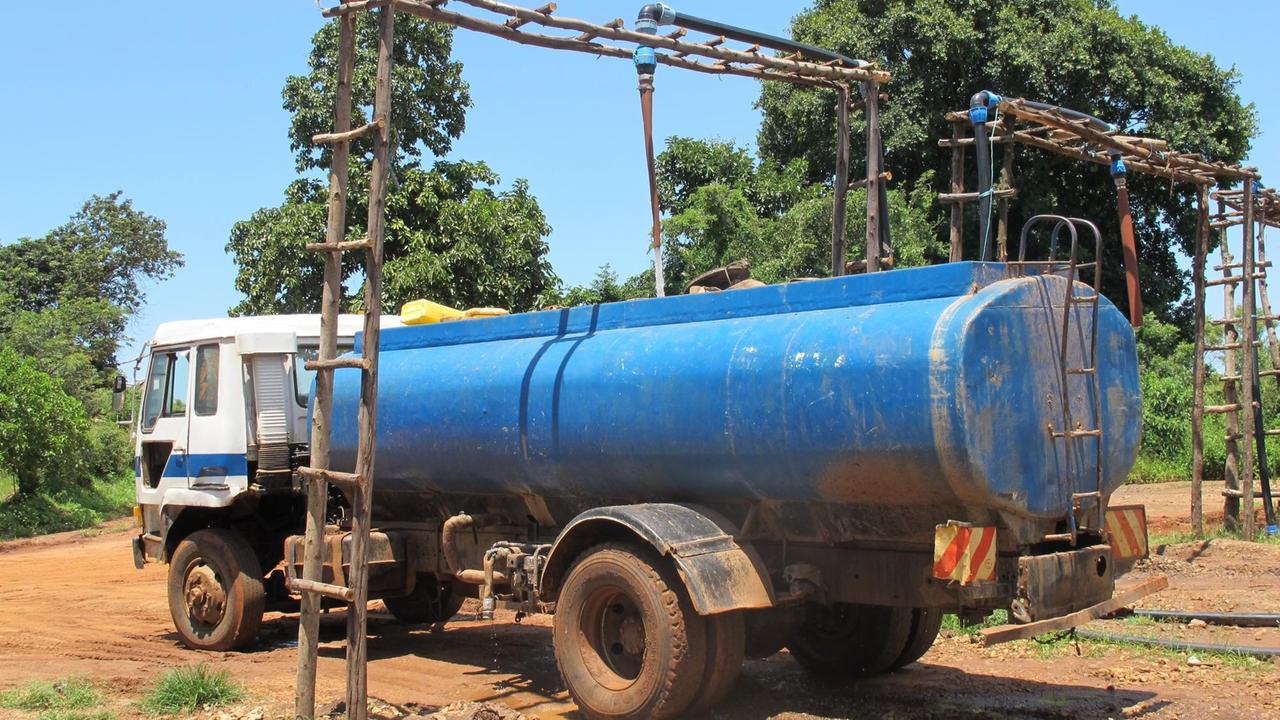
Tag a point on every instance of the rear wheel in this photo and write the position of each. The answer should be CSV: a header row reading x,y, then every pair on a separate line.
x,y
726,649
627,640
215,590
925,624
430,602
847,640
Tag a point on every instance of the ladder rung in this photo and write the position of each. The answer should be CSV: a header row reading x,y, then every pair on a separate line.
x,y
1271,433
1240,265
1217,409
1079,433
1233,436
1085,495
338,363
1081,371
1229,346
1084,298
1232,279
1237,321
1231,492
346,136
339,247
1269,373
329,590
334,477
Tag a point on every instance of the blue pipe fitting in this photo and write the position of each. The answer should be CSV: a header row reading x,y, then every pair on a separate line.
x,y
981,105
1118,168
657,13
646,60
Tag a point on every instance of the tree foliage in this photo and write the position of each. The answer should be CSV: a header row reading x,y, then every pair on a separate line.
x,y
429,102
1081,54
43,430
452,234
68,296
723,205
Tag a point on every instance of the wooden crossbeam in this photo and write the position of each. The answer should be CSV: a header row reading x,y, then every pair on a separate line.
x,y
710,49
346,136
515,22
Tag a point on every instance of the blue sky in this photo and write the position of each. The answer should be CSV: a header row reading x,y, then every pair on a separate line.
x,y
178,104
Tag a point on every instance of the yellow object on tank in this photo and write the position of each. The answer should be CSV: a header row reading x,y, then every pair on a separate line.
x,y
423,312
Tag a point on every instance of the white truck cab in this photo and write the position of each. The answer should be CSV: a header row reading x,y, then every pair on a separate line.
x,y
222,424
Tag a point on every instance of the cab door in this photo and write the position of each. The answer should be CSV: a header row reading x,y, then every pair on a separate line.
x,y
163,428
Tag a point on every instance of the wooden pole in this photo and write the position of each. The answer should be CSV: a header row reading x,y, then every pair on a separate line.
x,y
1230,396
1010,154
1264,301
357,616
331,298
1248,366
871,98
841,187
957,188
1197,381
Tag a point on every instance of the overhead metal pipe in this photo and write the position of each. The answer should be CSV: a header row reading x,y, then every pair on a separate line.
x,y
646,63
663,14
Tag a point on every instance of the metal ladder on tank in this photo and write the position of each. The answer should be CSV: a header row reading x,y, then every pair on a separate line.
x,y
318,476
1073,433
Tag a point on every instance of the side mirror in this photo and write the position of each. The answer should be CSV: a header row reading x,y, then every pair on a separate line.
x,y
119,385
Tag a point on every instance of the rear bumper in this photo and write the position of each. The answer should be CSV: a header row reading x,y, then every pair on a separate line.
x,y
1061,583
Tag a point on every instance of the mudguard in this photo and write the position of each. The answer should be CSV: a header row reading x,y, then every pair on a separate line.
x,y
720,574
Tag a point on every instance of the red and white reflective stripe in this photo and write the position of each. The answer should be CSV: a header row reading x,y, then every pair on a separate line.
x,y
1126,527
964,554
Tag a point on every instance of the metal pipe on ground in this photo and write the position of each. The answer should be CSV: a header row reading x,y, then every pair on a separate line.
x,y
1213,618
1258,652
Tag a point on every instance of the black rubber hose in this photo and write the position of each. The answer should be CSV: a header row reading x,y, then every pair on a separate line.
x,y
666,15
1258,652
1095,122
982,154
1214,618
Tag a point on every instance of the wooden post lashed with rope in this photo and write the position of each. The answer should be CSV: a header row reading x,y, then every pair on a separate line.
x,y
358,485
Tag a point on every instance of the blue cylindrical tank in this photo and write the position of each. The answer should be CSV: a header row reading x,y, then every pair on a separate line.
x,y
938,384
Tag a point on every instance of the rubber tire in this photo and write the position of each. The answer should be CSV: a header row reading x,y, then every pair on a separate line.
x,y
925,624
671,669
426,604
231,557
726,650
868,640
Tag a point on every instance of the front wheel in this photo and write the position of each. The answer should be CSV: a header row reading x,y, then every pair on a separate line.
x,y
215,590
627,640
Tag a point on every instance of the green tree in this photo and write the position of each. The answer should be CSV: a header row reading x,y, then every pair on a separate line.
x,y
1078,53
43,430
429,103
452,235
68,296
723,205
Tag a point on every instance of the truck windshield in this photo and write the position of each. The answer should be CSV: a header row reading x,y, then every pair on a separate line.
x,y
302,377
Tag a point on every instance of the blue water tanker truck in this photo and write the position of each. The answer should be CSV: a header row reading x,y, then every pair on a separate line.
x,y
825,466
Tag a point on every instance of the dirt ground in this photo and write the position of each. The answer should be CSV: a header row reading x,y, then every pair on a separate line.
x,y
73,604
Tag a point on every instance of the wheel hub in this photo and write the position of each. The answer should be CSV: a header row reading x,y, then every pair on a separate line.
x,y
205,596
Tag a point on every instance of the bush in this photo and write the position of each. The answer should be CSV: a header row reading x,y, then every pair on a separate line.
x,y
43,430
70,508
191,688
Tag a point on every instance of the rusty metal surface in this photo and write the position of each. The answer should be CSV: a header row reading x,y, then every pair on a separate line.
x,y
1061,583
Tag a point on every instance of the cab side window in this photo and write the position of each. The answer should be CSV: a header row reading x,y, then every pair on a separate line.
x,y
156,389
206,392
176,395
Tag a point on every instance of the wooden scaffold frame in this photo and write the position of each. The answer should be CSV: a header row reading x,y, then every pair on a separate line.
x,y
711,56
